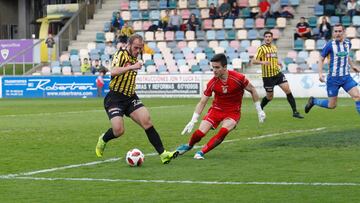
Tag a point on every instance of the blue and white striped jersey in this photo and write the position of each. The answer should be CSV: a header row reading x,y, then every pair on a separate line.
x,y
337,53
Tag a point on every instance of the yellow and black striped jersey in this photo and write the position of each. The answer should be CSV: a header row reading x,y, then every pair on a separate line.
x,y
268,53
124,83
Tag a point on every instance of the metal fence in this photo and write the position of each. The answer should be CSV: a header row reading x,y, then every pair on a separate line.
x,y
74,24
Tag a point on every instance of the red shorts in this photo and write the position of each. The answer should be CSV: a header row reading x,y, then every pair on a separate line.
x,y
216,116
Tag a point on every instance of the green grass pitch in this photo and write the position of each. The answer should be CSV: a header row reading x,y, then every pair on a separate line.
x,y
46,143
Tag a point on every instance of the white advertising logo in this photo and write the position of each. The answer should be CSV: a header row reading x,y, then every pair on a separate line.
x,y
4,53
45,84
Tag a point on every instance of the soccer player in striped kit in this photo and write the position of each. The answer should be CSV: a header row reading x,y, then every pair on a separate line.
x,y
123,100
266,56
337,52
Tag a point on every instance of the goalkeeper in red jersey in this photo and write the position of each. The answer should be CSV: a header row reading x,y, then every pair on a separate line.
x,y
228,88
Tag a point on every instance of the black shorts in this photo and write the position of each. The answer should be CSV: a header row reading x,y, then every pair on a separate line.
x,y
270,82
117,104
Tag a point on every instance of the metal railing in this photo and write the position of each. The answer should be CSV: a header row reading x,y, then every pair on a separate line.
x,y
20,54
74,24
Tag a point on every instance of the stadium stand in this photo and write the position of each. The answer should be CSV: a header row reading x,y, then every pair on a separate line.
x,y
188,51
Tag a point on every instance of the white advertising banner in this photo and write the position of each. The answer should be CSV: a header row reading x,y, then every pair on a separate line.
x,y
190,85
301,85
304,85
169,85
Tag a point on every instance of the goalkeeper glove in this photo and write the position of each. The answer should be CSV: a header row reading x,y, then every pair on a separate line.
x,y
260,112
188,128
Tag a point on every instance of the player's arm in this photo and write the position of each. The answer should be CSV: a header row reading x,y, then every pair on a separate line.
x,y
259,62
257,59
352,65
255,97
252,90
320,69
115,71
324,53
198,110
201,105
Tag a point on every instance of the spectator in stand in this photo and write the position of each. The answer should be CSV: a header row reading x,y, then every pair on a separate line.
x,y
50,42
175,21
213,12
264,8
100,82
96,67
148,50
254,12
288,12
121,45
351,8
164,21
275,8
334,2
85,66
341,9
224,9
109,49
231,1
107,65
117,23
193,23
120,40
302,30
126,32
325,29
117,35
357,7
235,10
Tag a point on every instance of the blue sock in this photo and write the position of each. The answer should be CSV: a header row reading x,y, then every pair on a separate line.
x,y
321,102
357,106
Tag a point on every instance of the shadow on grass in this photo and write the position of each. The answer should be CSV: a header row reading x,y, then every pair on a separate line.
x,y
347,138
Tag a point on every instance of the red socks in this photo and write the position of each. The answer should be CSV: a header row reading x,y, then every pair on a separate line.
x,y
215,141
196,137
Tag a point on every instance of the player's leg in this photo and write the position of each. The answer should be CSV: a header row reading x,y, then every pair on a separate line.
x,y
142,117
329,103
332,88
211,120
116,130
265,100
227,126
351,87
290,98
354,93
269,88
204,128
114,107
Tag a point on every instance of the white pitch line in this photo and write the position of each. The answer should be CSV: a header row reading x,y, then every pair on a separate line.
x,y
60,168
290,132
151,154
79,112
66,167
188,181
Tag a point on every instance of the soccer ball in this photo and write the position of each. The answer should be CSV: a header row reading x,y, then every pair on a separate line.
x,y
135,157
